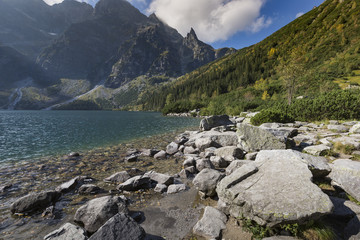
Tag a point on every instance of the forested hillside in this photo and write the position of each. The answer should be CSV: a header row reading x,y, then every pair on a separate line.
x,y
310,55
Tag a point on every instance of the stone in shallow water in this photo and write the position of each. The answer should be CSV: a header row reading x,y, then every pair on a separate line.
x,y
34,202
90,189
211,224
118,177
276,188
172,148
135,183
67,232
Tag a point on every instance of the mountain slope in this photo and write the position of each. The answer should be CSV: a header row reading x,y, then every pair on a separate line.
x,y
326,42
120,44
30,25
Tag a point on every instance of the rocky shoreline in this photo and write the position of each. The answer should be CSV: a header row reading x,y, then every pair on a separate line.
x,y
284,180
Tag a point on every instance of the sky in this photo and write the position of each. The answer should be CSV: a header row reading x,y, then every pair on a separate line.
x,y
224,23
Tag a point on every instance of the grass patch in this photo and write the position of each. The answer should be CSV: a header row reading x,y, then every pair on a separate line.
x,y
352,199
312,230
343,148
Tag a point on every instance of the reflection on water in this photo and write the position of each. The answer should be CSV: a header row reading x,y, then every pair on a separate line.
x,y
27,135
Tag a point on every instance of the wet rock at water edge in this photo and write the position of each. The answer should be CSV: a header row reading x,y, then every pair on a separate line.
x,y
160,178
34,202
160,155
67,232
135,183
120,227
97,211
90,189
73,184
118,177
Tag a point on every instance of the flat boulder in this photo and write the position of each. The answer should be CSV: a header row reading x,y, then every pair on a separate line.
x,y
253,139
217,139
34,202
317,150
175,188
97,211
67,232
214,121
346,175
73,184
318,165
120,227
206,181
274,189
135,183
160,178
118,177
211,224
229,152
235,165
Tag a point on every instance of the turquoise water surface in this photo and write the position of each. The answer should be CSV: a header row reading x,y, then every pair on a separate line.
x,y
27,135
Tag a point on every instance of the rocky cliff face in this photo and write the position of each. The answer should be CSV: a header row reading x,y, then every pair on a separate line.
x,y
30,25
120,44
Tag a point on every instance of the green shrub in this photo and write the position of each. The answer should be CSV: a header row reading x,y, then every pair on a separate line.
x,y
270,115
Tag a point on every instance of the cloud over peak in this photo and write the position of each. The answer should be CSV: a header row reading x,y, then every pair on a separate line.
x,y
213,20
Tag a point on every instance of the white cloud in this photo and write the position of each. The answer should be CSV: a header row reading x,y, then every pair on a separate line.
x,y
299,14
212,20
52,2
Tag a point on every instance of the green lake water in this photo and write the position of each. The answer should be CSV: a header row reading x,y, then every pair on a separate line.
x,y
27,135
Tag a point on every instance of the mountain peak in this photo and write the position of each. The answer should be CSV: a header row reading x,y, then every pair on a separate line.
x,y
118,8
192,35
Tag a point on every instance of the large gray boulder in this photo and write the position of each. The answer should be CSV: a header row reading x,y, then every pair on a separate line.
x,y
135,183
211,224
217,139
274,189
206,181
34,202
67,232
97,211
214,121
118,177
160,178
120,227
252,139
338,128
229,152
73,184
346,175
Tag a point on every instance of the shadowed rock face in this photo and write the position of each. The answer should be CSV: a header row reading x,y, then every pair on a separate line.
x,y
275,189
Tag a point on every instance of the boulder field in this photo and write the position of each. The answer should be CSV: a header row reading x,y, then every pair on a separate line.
x,y
272,176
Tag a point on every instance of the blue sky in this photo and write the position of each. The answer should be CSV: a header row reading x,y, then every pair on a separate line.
x,y
224,23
